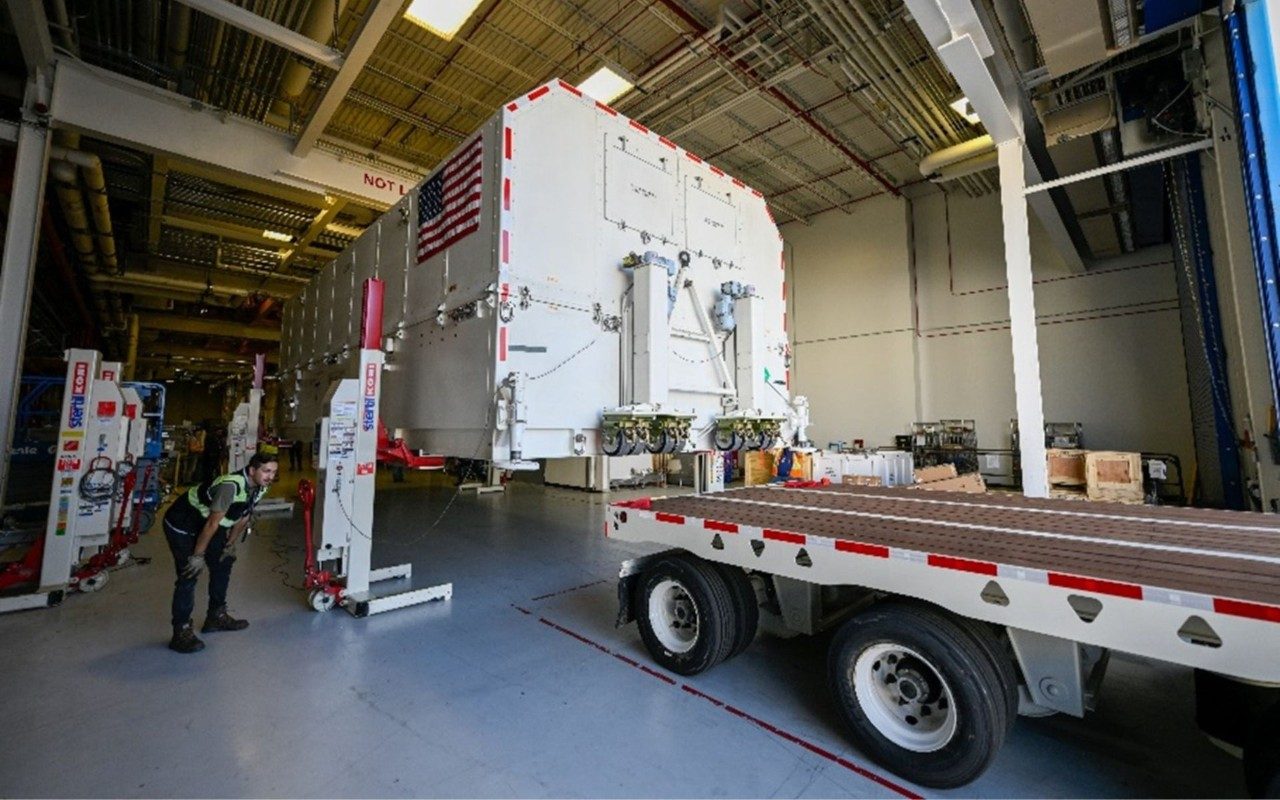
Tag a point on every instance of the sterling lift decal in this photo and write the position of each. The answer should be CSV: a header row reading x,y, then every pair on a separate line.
x,y
370,396
79,384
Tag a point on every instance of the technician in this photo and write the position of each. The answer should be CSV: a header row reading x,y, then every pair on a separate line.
x,y
203,527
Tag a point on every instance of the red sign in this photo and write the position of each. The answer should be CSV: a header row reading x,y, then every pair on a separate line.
x,y
80,377
364,469
108,375
68,464
106,408
131,410
71,446
384,184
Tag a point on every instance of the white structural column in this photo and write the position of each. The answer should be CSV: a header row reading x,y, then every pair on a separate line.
x,y
1022,318
18,269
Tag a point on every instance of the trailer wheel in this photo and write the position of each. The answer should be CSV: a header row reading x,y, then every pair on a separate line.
x,y
1001,659
1262,756
746,608
919,694
686,615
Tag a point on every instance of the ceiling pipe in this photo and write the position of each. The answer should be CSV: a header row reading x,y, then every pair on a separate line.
x,y
96,190
178,37
938,160
131,349
318,25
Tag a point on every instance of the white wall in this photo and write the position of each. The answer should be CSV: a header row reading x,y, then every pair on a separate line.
x,y
1110,344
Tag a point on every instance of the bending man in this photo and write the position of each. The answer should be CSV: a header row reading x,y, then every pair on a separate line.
x,y
203,527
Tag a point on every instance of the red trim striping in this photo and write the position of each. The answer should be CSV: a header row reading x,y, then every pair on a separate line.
x,y
963,564
739,184
512,106
506,292
571,89
873,550
784,536
667,142
506,139
769,212
638,126
757,193
739,713
716,525
506,194
570,589
606,109
506,247
1241,608
788,378
692,157
717,171
1095,585
784,291
782,260
784,322
502,343
674,519
539,92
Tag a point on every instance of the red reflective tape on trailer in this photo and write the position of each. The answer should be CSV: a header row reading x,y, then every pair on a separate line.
x,y
539,92
506,247
667,142
788,378
502,343
506,194
512,106
769,211
1241,608
963,564
784,536
1095,585
717,171
506,292
606,109
782,260
506,139
784,322
784,292
739,184
674,519
757,193
571,89
693,158
638,126
873,550
715,525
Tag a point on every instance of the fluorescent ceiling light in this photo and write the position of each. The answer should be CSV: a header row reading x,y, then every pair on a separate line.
x,y
964,109
277,236
444,18
605,85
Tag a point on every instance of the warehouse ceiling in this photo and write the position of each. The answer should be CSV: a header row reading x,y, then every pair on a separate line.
x,y
817,104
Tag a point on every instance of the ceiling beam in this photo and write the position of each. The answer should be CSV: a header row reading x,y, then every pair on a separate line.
x,y
111,106
207,327
159,180
319,223
376,22
273,32
162,349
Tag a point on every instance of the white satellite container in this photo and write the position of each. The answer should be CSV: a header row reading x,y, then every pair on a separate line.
x,y
525,336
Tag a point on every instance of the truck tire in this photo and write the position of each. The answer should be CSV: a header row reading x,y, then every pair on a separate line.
x,y
919,694
1001,658
746,608
686,615
1262,756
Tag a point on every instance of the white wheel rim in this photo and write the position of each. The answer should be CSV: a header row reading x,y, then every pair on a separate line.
x,y
904,697
673,616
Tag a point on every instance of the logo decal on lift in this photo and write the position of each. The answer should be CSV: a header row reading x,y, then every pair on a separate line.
x,y
370,396
79,384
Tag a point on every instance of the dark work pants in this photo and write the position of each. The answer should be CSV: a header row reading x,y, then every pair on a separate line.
x,y
183,545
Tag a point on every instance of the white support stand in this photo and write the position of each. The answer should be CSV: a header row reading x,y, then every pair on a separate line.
x,y
242,439
1022,317
651,335
492,484
347,463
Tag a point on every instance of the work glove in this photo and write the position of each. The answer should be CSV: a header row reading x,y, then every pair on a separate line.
x,y
229,550
195,565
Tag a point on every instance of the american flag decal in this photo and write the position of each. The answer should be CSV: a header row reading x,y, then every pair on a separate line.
x,y
449,202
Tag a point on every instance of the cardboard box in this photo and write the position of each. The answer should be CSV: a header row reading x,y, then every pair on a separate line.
x,y
970,483
1066,467
1114,477
939,473
862,480
761,466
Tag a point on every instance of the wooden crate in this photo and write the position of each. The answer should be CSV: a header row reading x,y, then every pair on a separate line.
x,y
1066,467
1114,477
757,467
1067,493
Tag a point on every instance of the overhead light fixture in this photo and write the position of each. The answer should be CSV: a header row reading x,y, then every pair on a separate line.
x,y
606,85
962,107
444,18
277,236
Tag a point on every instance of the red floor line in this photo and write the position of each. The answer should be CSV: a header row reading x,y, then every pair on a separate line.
x,y
737,712
522,610
566,591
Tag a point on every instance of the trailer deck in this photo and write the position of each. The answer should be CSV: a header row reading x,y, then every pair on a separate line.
x,y
1152,568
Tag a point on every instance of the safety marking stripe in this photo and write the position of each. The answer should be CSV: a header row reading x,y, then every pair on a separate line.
x,y
1165,548
570,88
606,109
506,194
539,92
638,126
667,142
512,106
1061,580
506,143
723,527
502,343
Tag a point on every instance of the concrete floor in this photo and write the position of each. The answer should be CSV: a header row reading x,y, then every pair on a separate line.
x,y
519,686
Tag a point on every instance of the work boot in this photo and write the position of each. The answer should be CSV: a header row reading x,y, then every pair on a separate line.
x,y
185,640
220,620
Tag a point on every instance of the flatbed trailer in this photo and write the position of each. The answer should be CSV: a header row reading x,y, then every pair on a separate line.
x,y
980,596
